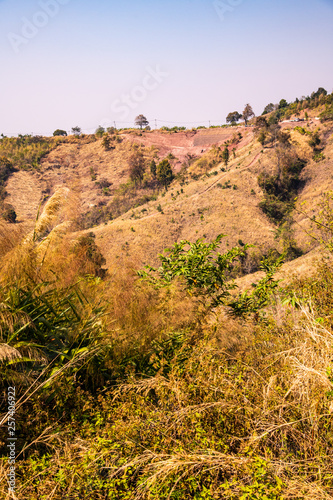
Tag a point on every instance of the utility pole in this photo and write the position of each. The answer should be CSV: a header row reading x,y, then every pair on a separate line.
x,y
115,126
155,124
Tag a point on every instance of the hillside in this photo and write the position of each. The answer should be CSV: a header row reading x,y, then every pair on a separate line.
x,y
208,376
201,202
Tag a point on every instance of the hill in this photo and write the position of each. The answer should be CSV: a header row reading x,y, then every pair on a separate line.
x,y
204,200
203,377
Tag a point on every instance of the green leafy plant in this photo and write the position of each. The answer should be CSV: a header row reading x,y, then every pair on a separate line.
x,y
203,271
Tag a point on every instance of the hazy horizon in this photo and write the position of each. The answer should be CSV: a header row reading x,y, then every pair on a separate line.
x,y
68,63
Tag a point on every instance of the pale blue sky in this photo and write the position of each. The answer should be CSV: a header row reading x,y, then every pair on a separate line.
x,y
84,62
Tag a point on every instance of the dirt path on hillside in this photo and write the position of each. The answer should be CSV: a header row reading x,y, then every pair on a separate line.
x,y
212,185
225,173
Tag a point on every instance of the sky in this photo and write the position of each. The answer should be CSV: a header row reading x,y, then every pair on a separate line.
x,y
85,63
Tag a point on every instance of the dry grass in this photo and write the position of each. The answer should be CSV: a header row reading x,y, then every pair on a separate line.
x,y
264,406
203,208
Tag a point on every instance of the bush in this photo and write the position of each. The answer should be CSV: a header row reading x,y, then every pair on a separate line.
x,y
9,214
100,131
106,142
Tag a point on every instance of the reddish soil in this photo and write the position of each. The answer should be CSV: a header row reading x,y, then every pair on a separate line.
x,y
189,143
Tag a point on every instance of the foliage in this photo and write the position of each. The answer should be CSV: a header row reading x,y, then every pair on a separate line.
x,y
173,129
141,121
262,137
76,130
225,155
269,108
327,114
285,110
25,152
217,409
233,117
280,189
100,131
44,330
251,303
132,395
164,173
283,104
6,168
60,132
248,113
153,169
106,142
9,214
87,250
315,140
203,270
137,166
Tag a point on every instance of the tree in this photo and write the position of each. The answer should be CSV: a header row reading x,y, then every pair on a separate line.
x,y
106,142
262,137
142,121
137,166
153,168
76,130
100,131
261,122
59,132
225,155
233,117
248,113
164,173
283,104
269,108
320,92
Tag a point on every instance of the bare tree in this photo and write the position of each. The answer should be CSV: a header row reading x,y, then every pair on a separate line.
x,y
248,113
76,130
